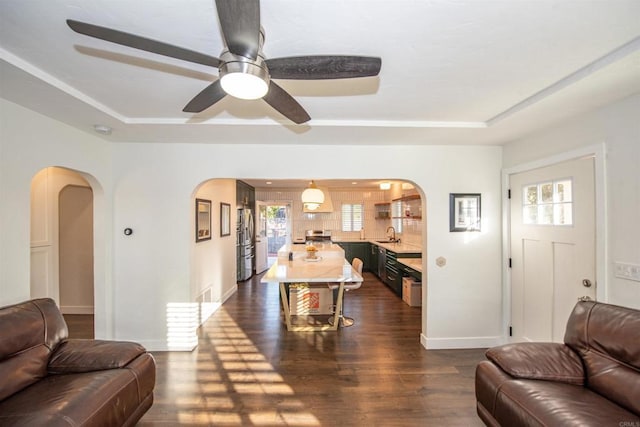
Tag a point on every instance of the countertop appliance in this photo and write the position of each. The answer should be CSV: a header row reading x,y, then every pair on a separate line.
x,y
317,236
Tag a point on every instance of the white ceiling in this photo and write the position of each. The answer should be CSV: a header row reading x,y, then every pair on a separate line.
x,y
453,72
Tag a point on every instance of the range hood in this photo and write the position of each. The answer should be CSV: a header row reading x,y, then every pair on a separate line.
x,y
325,207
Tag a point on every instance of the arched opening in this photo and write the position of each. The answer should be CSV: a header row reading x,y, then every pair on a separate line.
x,y
214,262
62,245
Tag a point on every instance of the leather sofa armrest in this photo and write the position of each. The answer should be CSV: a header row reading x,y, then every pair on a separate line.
x,y
76,355
539,361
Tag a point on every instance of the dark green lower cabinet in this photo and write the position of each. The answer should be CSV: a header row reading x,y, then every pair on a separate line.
x,y
394,270
357,250
373,259
410,272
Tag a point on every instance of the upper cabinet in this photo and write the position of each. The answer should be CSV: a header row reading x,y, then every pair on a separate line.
x,y
245,195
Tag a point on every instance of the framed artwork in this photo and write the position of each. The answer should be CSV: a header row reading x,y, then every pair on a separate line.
x,y
203,220
225,219
464,212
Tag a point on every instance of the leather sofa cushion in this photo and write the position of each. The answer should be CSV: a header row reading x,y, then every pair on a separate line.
x,y
541,361
30,331
518,402
102,398
92,355
608,339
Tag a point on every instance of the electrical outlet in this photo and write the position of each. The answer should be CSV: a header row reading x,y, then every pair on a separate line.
x,y
627,271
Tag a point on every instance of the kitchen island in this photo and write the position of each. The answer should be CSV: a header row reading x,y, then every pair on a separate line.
x,y
328,266
324,250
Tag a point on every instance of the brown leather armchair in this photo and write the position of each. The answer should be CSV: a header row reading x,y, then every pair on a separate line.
x,y
47,379
593,379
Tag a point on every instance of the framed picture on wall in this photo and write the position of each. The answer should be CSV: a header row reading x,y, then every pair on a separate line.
x,y
203,220
464,212
225,219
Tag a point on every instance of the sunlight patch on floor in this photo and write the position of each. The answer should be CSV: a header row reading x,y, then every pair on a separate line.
x,y
232,370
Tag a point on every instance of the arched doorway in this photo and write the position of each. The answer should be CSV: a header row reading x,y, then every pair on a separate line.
x,y
62,258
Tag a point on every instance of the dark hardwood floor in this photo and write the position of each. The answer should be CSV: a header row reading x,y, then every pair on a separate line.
x,y
249,371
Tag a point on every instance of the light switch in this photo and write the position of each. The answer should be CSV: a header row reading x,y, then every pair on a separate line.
x,y
627,271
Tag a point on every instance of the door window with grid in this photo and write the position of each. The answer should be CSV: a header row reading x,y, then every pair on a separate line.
x,y
548,203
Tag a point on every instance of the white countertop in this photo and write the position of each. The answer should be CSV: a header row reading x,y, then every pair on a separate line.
x,y
415,263
398,248
324,250
331,269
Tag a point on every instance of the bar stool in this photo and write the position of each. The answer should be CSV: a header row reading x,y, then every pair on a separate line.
x,y
348,286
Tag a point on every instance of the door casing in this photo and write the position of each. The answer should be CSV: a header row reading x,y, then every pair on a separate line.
x,y
598,151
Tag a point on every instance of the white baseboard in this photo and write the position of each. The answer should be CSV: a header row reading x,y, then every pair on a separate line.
x,y
460,343
162,345
229,293
76,309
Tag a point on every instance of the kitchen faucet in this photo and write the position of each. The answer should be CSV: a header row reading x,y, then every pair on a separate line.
x,y
393,239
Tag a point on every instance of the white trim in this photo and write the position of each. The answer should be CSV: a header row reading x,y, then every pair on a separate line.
x,y
578,75
76,309
229,293
599,151
460,342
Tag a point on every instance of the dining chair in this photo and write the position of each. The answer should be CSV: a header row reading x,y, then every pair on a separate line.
x,y
348,286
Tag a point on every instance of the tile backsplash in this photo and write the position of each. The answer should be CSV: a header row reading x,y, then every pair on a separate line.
x,y
373,228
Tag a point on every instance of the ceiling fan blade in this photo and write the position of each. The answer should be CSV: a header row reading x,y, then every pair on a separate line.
x,y
240,22
279,99
320,67
205,99
142,43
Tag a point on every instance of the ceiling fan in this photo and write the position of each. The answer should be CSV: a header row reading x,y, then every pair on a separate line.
x,y
244,72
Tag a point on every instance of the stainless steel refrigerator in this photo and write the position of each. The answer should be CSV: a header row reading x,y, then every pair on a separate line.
x,y
244,244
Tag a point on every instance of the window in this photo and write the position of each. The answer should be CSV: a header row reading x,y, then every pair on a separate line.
x,y
548,203
352,216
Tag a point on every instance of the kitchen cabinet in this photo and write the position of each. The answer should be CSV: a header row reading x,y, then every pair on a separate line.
x,y
357,250
410,272
245,195
393,270
373,258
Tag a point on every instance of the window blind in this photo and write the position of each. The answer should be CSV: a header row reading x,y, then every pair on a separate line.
x,y
352,216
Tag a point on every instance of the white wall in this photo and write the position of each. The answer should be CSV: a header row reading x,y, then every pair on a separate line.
x,y
150,188
213,277
153,187
618,127
46,186
30,142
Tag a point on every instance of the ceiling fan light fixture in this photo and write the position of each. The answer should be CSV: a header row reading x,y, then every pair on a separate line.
x,y
243,78
312,197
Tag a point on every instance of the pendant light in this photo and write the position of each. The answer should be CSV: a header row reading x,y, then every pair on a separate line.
x,y
312,197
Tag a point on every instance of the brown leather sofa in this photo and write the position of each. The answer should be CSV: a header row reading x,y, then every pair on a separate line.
x,y
591,380
47,379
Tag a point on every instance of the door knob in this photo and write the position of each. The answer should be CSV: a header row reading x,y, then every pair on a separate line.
x,y
586,283
585,298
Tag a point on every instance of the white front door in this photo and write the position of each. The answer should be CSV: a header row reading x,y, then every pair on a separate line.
x,y
552,217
